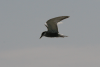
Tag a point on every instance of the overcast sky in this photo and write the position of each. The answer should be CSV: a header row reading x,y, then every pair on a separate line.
x,y
21,25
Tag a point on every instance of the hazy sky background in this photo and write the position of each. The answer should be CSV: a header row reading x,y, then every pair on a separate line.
x,y
22,22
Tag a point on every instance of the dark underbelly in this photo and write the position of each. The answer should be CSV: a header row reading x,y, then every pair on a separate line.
x,y
52,34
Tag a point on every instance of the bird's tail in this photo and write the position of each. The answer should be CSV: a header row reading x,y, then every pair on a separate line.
x,y
61,35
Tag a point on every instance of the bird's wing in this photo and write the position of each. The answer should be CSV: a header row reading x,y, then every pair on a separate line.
x,y
52,23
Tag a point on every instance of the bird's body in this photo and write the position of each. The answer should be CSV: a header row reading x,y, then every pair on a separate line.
x,y
48,34
52,27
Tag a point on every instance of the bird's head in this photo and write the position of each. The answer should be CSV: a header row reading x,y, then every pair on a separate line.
x,y
43,34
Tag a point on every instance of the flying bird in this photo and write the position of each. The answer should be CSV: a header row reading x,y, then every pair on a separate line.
x,y
52,29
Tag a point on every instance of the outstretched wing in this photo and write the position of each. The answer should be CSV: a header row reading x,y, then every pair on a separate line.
x,y
52,23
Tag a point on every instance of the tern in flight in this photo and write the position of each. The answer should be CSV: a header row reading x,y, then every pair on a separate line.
x,y
52,28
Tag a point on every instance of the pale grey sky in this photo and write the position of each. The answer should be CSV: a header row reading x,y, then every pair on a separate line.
x,y
22,22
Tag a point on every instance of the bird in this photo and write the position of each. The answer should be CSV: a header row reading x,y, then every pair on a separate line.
x,y
52,28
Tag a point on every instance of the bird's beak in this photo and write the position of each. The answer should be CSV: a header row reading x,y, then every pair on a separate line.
x,y
42,34
40,37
